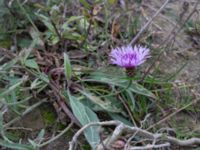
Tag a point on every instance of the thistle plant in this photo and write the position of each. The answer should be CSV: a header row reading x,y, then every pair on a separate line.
x,y
129,57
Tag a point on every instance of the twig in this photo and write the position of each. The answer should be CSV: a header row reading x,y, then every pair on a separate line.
x,y
160,137
80,131
57,136
62,104
122,128
141,126
7,53
163,16
147,18
128,110
19,128
148,23
148,147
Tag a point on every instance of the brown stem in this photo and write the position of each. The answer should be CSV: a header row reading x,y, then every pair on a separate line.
x,y
54,26
60,101
88,29
128,110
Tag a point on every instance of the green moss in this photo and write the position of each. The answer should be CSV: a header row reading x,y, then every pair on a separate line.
x,y
48,114
49,118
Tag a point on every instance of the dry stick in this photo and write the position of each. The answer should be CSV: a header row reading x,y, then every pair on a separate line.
x,y
161,137
19,128
172,114
128,110
171,36
122,128
141,126
148,23
148,147
147,18
163,16
80,131
157,136
62,104
9,54
57,136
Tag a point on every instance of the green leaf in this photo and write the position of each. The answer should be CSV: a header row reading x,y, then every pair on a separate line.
x,y
85,116
24,54
115,116
8,65
40,136
46,21
36,37
1,120
105,104
121,82
33,143
11,88
15,146
67,67
43,77
85,4
31,63
139,89
71,19
112,1
72,36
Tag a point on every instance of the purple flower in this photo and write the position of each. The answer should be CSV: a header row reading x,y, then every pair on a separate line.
x,y
129,57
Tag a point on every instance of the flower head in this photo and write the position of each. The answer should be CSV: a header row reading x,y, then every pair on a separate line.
x,y
128,56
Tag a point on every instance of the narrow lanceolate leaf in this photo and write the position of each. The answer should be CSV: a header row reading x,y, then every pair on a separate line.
x,y
67,67
85,115
133,86
85,4
11,88
31,63
105,104
15,146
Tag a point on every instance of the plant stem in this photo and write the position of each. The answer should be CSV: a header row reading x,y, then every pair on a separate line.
x,y
57,136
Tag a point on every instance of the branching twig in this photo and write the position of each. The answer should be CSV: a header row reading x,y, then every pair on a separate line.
x,y
122,128
80,131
